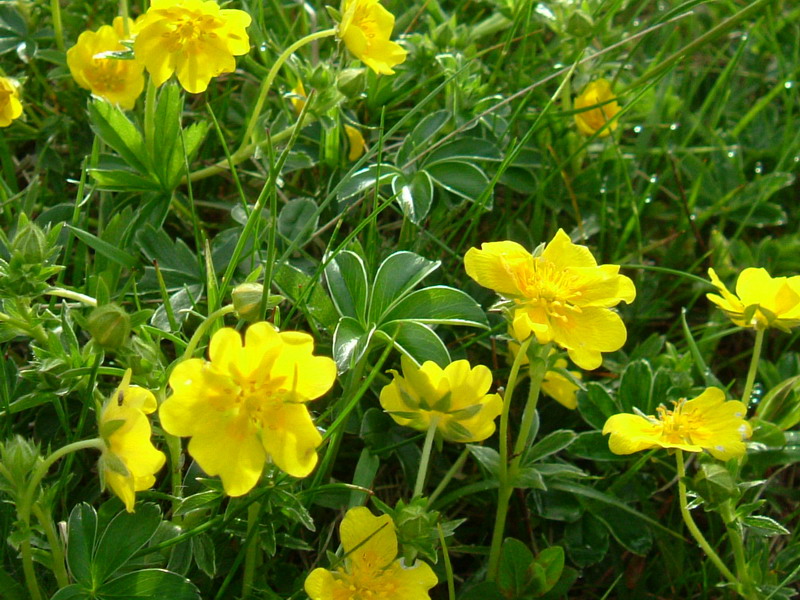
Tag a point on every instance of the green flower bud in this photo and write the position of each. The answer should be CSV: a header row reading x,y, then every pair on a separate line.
x,y
30,243
247,300
580,24
351,82
109,326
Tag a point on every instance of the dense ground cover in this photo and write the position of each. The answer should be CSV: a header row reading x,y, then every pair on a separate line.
x,y
390,183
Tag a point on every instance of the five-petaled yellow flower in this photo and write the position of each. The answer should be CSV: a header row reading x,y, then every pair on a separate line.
x,y
371,568
117,80
760,301
707,422
455,397
365,29
248,403
129,461
593,120
561,295
194,38
10,106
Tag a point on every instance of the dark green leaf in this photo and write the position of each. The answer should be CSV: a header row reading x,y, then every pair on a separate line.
x,y
125,534
487,457
396,276
363,180
110,252
550,444
635,387
416,341
415,195
71,592
294,284
596,405
460,178
149,584
116,130
347,281
586,541
764,526
298,220
81,539
350,341
439,305
513,575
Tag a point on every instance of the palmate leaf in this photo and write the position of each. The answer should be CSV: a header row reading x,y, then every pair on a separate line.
x,y
396,276
347,281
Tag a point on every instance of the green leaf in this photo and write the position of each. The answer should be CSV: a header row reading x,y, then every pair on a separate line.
x,y
512,575
466,149
416,341
167,126
488,458
120,180
439,304
204,554
764,526
294,284
414,194
486,590
545,570
346,275
81,539
350,341
364,476
422,136
363,180
178,264
634,535
396,276
115,129
298,220
149,584
460,178
112,253
529,478
594,446
550,444
10,588
125,534
714,483
71,592
781,405
596,405
635,387
586,541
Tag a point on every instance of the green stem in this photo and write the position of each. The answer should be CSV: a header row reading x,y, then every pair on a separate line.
x,y
36,332
25,506
448,567
203,328
504,491
692,527
751,373
537,370
123,12
267,84
58,28
425,459
71,295
735,537
59,566
251,556
462,458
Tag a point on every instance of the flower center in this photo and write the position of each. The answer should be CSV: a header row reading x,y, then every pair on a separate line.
x,y
677,427
364,584
107,75
187,28
550,288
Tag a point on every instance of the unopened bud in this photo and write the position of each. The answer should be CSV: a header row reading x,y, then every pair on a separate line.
x,y
30,243
109,326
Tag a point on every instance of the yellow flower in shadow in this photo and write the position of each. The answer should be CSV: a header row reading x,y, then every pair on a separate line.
x,y
194,38
760,301
593,120
365,29
356,143
247,404
371,567
119,81
454,397
560,295
10,106
129,461
707,422
298,97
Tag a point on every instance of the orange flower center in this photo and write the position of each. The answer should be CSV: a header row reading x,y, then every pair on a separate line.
x,y
677,427
187,28
549,288
364,584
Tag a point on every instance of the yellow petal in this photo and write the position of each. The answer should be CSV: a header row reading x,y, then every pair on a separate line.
x,y
319,585
289,436
369,541
229,447
561,389
564,254
500,266
587,333
121,486
412,583
306,376
631,433
356,142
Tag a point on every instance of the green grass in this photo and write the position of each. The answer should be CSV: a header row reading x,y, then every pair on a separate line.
x,y
700,173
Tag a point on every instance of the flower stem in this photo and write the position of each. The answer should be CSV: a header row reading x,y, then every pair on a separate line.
x,y
735,537
751,373
267,84
251,556
59,567
203,328
537,371
462,458
71,295
692,527
425,459
26,505
58,28
504,491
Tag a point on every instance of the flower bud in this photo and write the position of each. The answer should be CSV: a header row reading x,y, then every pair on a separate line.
x,y
30,243
109,326
247,300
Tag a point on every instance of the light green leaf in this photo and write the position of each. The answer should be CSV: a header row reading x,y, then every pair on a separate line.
x,y
416,341
441,305
346,275
396,276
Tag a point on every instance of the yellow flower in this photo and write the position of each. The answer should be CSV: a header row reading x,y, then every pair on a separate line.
x,y
456,397
761,301
299,97
117,80
195,38
357,143
10,106
707,422
561,295
248,403
371,567
129,461
591,121
365,29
